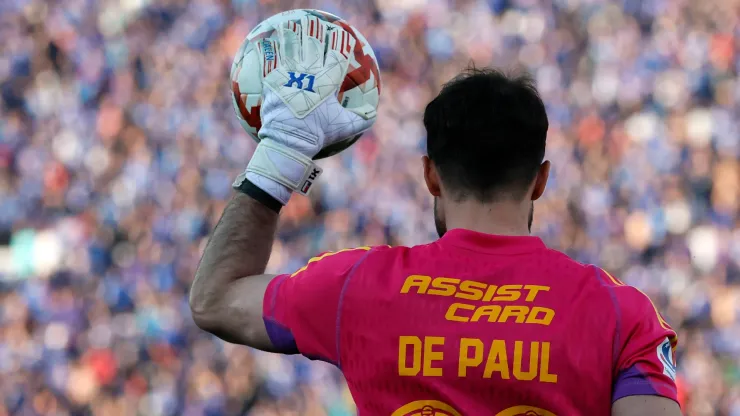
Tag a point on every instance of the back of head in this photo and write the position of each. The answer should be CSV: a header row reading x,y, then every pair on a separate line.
x,y
486,135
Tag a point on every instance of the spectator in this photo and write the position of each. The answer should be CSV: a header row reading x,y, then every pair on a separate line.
x,y
118,144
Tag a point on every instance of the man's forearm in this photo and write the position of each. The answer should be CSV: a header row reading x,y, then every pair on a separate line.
x,y
239,247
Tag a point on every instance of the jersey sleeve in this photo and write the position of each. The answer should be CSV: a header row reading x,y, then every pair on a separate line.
x,y
300,309
645,363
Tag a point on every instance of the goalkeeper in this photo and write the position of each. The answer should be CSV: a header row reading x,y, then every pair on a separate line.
x,y
484,321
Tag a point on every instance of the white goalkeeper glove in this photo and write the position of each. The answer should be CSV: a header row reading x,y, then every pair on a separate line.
x,y
300,111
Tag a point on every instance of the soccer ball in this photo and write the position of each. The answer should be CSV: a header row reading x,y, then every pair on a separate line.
x,y
361,84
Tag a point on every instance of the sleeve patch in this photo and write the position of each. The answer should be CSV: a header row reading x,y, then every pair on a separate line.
x,y
666,358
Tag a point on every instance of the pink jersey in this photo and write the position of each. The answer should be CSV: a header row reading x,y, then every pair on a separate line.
x,y
474,324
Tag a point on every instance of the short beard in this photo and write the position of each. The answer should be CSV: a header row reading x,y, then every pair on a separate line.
x,y
439,223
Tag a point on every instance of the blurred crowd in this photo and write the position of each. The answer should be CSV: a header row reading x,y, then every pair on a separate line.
x,y
118,145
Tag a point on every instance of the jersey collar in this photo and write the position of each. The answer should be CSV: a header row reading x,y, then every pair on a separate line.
x,y
490,243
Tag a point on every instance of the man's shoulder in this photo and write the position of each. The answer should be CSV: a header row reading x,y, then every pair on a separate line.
x,y
627,301
333,260
344,258
567,267
371,259
595,285
400,255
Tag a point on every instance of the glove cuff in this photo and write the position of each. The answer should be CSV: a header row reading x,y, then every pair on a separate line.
x,y
280,170
248,188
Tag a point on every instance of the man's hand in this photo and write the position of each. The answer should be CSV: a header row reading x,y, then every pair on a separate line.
x,y
300,111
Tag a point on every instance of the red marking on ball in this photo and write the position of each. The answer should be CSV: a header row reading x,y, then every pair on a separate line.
x,y
359,76
252,117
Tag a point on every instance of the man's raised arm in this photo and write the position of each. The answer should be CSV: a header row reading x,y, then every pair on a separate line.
x,y
289,313
226,296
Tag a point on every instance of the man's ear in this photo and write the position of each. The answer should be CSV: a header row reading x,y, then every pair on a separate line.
x,y
540,182
431,177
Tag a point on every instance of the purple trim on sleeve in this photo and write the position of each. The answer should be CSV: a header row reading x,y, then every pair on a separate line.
x,y
341,301
280,336
632,382
280,280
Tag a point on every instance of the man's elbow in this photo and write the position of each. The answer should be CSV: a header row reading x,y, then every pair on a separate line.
x,y
206,320
217,319
203,311
201,318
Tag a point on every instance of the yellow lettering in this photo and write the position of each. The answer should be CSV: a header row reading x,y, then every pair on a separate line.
x,y
545,376
466,360
444,286
533,359
497,360
491,311
533,290
489,293
431,355
404,343
533,317
508,293
520,311
420,282
450,315
471,290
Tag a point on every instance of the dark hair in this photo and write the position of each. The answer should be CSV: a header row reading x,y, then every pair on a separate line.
x,y
486,134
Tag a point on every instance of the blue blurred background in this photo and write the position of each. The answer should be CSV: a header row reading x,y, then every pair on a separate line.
x,y
118,144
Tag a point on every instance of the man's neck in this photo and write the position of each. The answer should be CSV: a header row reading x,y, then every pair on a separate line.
x,y
499,218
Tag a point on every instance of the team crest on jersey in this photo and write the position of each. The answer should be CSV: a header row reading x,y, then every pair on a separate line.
x,y
525,411
426,408
665,355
